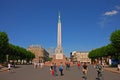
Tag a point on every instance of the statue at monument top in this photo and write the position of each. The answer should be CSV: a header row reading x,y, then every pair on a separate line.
x,y
59,21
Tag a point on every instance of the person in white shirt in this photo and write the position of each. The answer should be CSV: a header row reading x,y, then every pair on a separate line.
x,y
118,67
9,66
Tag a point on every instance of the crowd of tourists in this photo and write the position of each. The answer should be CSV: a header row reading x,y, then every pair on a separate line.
x,y
81,66
38,64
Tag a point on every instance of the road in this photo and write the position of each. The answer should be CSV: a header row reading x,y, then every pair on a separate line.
x,y
27,72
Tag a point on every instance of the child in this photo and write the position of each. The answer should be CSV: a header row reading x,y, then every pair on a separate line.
x,y
52,72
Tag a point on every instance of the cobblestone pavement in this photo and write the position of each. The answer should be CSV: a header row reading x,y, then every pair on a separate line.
x,y
27,72
112,69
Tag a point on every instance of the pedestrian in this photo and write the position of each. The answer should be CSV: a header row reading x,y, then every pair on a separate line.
x,y
41,65
99,71
52,71
66,65
35,65
38,64
103,64
55,69
61,69
51,66
118,67
85,68
78,65
13,64
0,66
9,67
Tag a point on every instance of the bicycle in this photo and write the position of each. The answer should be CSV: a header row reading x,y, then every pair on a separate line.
x,y
99,75
84,75
12,69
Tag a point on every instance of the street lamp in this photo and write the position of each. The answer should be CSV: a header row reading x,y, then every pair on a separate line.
x,y
7,57
39,59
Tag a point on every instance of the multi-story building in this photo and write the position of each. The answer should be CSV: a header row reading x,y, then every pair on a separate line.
x,y
76,56
41,55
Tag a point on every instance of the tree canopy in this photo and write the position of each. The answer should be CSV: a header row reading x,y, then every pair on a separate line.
x,y
4,41
14,52
112,49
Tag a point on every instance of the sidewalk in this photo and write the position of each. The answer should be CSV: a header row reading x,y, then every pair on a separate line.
x,y
112,69
3,69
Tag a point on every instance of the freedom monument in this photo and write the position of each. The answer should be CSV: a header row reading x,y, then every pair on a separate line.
x,y
59,56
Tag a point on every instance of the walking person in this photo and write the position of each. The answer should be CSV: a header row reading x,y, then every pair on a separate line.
x,y
52,71
61,69
0,66
118,67
35,65
41,65
85,69
51,66
13,66
66,65
99,71
55,69
9,67
78,65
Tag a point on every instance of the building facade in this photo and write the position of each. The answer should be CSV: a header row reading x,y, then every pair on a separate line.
x,y
77,56
41,55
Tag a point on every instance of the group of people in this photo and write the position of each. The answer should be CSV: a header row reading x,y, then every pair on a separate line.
x,y
84,66
67,64
38,64
53,69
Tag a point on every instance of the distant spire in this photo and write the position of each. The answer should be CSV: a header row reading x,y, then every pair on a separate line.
x,y
59,17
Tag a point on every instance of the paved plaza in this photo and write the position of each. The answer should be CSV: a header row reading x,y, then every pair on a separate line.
x,y
27,72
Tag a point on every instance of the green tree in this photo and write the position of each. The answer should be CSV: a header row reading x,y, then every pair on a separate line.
x,y
16,52
115,41
110,50
4,41
49,59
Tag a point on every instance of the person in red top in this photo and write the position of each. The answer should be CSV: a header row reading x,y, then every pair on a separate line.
x,y
52,72
78,64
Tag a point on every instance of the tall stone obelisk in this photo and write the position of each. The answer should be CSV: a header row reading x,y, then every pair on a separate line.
x,y
59,40
59,55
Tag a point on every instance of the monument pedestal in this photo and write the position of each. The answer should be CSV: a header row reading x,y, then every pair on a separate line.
x,y
58,58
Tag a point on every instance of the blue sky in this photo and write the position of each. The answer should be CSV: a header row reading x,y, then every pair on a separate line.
x,y
86,24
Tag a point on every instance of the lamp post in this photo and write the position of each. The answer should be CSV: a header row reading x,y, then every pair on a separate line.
x,y
39,59
7,57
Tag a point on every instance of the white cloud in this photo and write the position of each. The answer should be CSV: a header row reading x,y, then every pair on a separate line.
x,y
110,13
